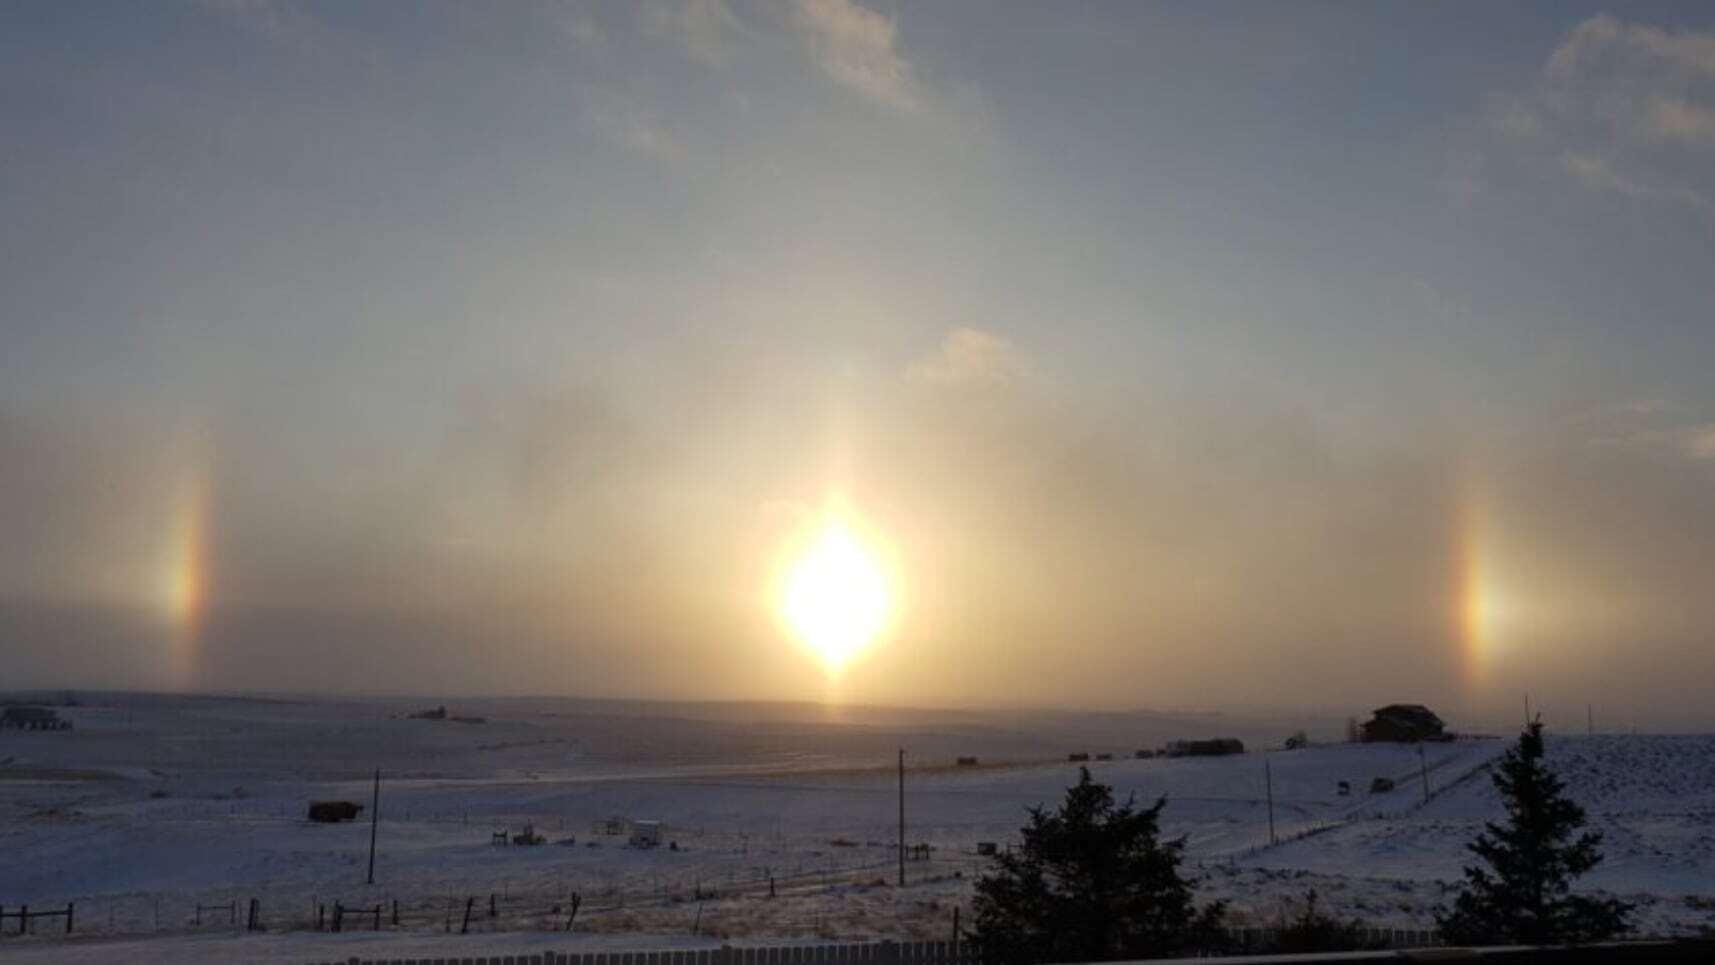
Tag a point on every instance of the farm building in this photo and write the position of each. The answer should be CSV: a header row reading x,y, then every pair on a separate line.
x,y
614,826
645,834
1404,723
33,718
1214,747
967,762
330,812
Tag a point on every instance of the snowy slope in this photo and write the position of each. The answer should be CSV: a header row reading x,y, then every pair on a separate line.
x,y
153,806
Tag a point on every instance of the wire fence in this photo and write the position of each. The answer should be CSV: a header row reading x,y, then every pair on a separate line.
x,y
505,905
861,953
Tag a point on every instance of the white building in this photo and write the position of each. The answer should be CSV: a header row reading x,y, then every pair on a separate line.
x,y
646,834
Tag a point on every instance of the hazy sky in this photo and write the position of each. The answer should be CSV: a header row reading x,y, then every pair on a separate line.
x,y
1311,355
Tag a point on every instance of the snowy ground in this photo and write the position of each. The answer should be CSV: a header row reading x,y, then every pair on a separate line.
x,y
154,805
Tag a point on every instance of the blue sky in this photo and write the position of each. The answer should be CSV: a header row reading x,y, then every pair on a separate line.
x,y
1137,327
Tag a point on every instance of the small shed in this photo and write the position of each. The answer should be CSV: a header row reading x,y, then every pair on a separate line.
x,y
967,762
614,827
645,834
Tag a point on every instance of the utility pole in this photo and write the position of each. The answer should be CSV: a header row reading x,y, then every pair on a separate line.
x,y
1268,775
1589,720
374,818
1527,710
1423,764
902,817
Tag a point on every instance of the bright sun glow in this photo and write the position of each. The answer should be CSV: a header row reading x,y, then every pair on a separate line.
x,y
836,596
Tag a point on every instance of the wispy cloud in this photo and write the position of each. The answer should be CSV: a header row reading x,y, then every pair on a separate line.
x,y
1700,443
1651,425
1606,36
1622,108
1678,119
575,23
638,131
858,48
1599,173
968,356
705,28
276,21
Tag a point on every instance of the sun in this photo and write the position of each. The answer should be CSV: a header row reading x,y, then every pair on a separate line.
x,y
835,596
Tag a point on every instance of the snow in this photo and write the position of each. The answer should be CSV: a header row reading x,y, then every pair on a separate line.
x,y
153,805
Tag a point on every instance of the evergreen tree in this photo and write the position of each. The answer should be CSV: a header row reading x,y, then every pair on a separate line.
x,y
1090,882
1522,891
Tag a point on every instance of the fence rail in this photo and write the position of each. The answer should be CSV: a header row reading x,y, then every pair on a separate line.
x,y
946,953
1263,939
25,916
858,953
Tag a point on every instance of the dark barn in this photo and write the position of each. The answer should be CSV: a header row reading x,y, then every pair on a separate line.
x,y
329,812
1404,723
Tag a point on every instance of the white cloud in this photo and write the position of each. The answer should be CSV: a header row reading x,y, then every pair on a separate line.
x,y
1651,425
1599,173
1624,109
705,27
857,47
276,21
1700,443
1606,36
575,24
638,131
968,356
1677,119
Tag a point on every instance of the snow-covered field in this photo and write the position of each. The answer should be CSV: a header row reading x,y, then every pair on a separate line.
x,y
154,805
